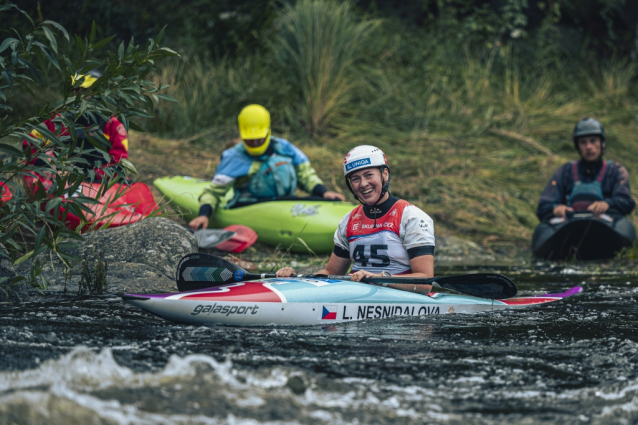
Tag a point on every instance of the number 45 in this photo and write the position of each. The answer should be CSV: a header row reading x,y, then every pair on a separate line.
x,y
361,257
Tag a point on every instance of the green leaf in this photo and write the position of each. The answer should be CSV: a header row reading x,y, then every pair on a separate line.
x,y
128,166
48,54
51,37
10,149
136,127
102,42
131,45
158,40
59,28
33,71
24,258
93,30
80,44
6,75
9,42
172,52
39,238
68,245
167,97
120,52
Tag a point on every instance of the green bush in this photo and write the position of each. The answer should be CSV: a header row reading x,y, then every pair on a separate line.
x,y
34,223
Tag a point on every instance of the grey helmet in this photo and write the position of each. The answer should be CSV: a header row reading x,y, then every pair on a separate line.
x,y
588,127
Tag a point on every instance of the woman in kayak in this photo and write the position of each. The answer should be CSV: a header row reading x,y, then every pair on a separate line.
x,y
262,167
384,236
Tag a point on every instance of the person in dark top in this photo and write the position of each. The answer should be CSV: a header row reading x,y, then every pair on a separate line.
x,y
590,184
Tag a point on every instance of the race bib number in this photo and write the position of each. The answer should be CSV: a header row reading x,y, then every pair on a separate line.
x,y
371,255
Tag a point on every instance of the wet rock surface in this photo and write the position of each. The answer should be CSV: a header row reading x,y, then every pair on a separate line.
x,y
142,257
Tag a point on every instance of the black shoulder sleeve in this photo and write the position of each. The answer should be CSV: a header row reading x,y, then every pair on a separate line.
x,y
340,252
319,190
206,210
418,251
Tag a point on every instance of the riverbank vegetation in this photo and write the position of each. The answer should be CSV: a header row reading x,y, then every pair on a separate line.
x,y
472,101
473,125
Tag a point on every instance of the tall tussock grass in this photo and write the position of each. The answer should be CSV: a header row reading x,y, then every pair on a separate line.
x,y
472,131
316,49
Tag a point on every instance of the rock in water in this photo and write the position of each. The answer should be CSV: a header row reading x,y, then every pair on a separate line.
x,y
142,258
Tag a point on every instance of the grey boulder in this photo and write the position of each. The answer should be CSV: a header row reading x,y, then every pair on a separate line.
x,y
141,257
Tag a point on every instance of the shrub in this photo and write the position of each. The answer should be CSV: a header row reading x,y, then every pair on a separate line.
x,y
34,223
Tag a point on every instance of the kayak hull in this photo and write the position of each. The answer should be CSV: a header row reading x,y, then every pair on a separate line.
x,y
118,206
5,193
583,237
303,302
300,225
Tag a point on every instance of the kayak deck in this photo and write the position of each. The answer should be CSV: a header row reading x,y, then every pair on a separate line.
x,y
301,225
314,302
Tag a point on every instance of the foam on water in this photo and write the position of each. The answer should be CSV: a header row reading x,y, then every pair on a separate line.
x,y
86,385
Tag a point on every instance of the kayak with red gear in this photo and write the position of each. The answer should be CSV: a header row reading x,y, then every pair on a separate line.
x,y
119,204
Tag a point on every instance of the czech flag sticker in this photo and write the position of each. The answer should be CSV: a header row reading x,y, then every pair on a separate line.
x,y
329,312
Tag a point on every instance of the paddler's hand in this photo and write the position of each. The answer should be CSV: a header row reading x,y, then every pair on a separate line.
x,y
561,210
197,222
358,276
598,207
334,195
286,272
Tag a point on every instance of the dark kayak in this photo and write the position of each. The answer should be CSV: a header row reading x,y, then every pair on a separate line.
x,y
582,236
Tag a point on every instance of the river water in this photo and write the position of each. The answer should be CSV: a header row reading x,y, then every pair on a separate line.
x,y
98,360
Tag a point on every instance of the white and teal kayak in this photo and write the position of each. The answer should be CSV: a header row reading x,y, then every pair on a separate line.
x,y
295,301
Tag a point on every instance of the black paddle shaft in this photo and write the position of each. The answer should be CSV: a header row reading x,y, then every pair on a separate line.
x,y
200,270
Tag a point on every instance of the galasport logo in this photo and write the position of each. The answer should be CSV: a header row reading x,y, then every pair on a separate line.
x,y
225,310
355,226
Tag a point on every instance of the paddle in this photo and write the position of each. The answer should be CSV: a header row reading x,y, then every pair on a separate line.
x,y
201,270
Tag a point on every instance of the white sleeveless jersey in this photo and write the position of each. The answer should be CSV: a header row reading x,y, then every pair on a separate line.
x,y
384,247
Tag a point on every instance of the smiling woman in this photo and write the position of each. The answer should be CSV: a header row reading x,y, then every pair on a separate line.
x,y
384,236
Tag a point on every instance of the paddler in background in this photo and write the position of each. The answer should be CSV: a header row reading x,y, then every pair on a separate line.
x,y
261,167
590,184
384,236
112,130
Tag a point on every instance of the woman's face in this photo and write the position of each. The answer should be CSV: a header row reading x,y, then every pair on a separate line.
x,y
367,184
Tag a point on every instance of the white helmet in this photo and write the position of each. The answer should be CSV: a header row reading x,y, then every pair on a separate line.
x,y
365,156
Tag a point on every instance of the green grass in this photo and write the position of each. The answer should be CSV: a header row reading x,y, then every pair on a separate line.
x,y
472,132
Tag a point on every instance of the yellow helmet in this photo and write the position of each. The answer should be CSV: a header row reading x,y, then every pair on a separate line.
x,y
89,78
254,123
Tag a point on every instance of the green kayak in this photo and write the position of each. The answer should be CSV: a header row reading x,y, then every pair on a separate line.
x,y
298,224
